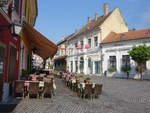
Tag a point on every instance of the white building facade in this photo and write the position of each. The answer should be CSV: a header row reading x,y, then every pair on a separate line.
x,y
84,48
116,56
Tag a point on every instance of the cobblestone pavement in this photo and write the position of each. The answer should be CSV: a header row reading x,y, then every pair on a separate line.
x,y
118,96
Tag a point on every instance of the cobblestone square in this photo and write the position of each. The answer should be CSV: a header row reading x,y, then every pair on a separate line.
x,y
118,96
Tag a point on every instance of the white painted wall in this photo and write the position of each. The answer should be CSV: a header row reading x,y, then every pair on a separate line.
x,y
121,48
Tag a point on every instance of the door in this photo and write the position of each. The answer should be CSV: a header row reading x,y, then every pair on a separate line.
x,y
12,67
97,67
71,66
2,55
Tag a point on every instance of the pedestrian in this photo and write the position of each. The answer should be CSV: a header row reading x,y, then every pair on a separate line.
x,y
54,86
127,74
105,73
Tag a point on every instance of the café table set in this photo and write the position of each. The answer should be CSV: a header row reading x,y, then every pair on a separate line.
x,y
38,86
84,87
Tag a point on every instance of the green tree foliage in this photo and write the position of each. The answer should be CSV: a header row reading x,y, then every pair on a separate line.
x,y
140,54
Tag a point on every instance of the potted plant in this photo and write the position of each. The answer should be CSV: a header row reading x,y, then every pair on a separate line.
x,y
126,70
111,70
88,80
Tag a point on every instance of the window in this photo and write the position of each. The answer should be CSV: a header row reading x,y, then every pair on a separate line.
x,y
89,42
76,44
96,41
112,62
17,6
125,61
81,44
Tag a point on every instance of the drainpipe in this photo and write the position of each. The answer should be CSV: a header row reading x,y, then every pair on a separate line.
x,y
101,56
100,46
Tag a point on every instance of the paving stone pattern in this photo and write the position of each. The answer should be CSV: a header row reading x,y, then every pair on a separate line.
x,y
118,96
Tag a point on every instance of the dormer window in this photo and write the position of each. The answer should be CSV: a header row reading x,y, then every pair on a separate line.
x,y
122,36
148,32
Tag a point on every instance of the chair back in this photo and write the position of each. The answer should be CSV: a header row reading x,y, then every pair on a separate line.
x,y
33,87
48,87
98,89
88,89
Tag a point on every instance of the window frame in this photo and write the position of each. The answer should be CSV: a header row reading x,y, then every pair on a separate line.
x,y
96,41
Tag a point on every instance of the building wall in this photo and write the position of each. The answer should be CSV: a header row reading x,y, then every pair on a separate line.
x,y
8,40
28,14
75,55
121,48
115,23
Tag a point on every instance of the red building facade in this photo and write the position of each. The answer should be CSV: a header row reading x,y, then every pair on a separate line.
x,y
9,55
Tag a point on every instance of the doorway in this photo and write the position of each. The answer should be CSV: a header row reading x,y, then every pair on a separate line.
x,y
12,68
2,55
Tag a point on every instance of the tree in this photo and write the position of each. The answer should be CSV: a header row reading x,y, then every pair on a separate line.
x,y
140,54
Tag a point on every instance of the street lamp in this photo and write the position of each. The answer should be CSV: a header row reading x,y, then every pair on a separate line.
x,y
15,28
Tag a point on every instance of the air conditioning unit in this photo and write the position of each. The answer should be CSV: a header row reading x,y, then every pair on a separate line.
x,y
3,3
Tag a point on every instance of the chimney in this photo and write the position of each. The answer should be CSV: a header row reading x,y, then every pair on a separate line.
x,y
89,20
105,8
96,16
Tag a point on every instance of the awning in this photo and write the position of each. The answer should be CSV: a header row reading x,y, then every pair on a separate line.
x,y
39,44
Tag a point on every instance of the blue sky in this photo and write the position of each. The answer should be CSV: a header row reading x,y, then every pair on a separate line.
x,y
59,18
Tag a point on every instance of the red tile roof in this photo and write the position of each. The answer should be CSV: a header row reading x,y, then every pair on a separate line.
x,y
137,34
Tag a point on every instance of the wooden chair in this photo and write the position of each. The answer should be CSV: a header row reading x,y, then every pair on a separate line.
x,y
88,91
97,90
19,88
48,89
33,89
